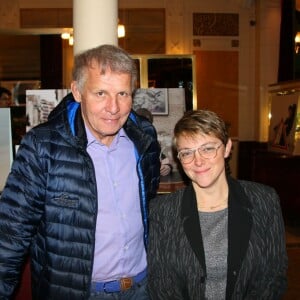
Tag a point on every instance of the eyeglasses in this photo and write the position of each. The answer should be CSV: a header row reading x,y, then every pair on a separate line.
x,y
186,156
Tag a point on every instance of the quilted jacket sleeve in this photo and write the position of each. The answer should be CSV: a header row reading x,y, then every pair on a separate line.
x,y
20,211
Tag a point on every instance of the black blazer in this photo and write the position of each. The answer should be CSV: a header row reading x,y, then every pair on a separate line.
x,y
257,259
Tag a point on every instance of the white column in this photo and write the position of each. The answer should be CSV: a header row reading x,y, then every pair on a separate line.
x,y
95,23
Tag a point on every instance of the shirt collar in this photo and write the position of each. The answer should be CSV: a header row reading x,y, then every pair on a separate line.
x,y
91,138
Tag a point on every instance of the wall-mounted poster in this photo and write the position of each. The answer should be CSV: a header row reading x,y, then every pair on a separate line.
x,y
283,123
164,124
153,99
39,103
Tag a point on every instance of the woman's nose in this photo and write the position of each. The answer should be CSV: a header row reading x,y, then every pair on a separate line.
x,y
198,159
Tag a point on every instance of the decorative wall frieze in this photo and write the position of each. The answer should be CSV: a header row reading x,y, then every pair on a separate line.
x,y
215,24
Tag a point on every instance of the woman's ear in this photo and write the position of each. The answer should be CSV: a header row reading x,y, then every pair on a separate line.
x,y
228,148
75,91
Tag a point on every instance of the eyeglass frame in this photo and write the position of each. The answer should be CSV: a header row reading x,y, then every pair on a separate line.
x,y
193,150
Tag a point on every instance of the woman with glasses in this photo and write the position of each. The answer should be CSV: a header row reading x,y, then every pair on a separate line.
x,y
218,238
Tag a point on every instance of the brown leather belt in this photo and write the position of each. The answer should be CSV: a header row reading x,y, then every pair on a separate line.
x,y
120,285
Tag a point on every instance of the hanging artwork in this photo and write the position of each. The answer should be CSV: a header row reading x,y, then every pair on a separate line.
x,y
283,124
153,99
39,103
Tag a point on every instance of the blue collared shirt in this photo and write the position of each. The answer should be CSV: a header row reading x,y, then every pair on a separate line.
x,y
119,247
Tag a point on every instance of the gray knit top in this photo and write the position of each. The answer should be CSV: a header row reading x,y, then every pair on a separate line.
x,y
215,242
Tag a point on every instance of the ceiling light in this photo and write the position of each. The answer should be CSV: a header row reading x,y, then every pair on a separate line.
x,y
121,31
71,40
65,35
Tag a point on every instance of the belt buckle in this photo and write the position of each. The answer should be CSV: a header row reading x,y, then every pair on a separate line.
x,y
126,283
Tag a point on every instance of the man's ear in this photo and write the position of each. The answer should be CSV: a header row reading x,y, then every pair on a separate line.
x,y
228,148
75,91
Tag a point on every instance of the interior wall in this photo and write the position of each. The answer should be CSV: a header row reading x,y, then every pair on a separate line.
x,y
218,85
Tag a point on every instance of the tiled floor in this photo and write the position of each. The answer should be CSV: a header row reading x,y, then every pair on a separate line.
x,y
293,250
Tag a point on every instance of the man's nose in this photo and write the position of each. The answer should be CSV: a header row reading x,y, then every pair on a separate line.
x,y
112,105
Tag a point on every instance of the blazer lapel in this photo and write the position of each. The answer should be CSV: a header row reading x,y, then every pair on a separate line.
x,y
191,224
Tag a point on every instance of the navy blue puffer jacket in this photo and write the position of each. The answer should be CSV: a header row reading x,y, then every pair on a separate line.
x,y
49,204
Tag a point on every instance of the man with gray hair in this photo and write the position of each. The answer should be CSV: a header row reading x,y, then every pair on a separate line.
x,y
77,195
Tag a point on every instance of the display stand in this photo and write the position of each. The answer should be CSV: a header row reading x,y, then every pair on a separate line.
x,y
6,151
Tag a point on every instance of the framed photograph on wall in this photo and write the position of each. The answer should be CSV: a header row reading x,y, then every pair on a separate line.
x,y
283,123
39,104
153,99
169,71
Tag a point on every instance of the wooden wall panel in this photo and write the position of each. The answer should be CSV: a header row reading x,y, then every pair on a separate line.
x,y
20,54
46,17
217,84
19,57
145,28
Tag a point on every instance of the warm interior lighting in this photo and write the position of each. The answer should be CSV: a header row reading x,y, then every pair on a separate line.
x,y
71,40
297,42
121,31
297,4
68,35
65,35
